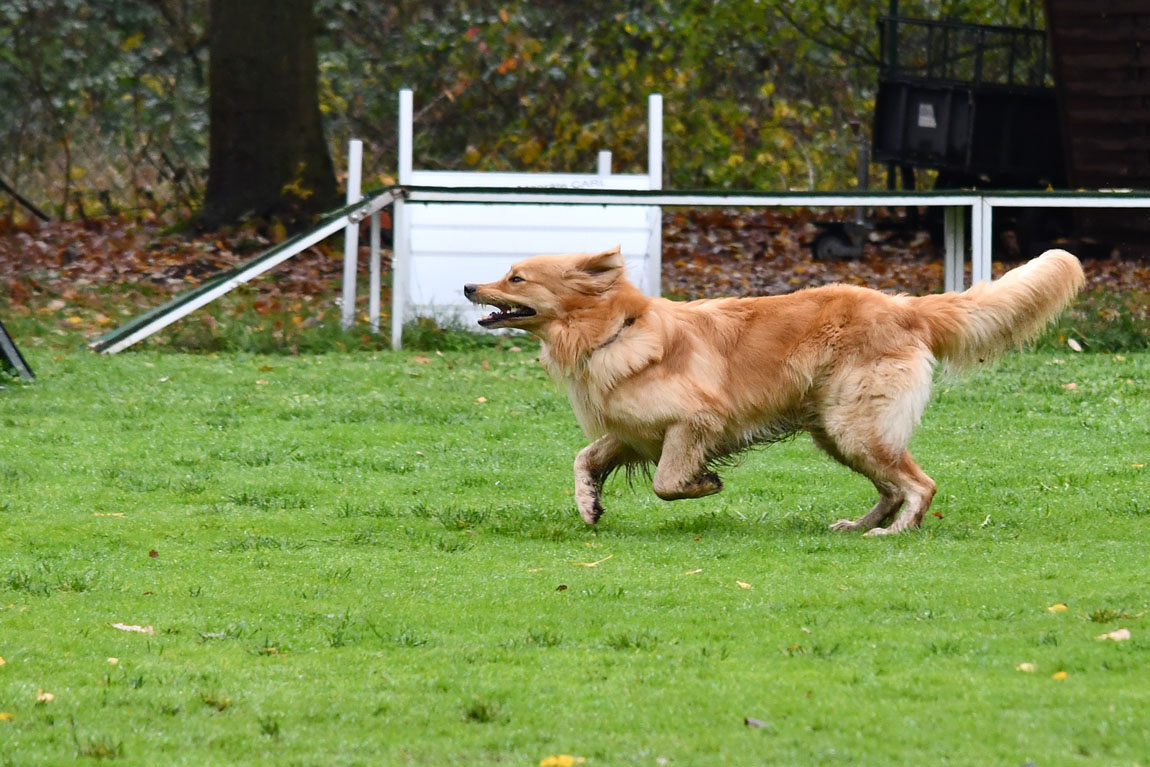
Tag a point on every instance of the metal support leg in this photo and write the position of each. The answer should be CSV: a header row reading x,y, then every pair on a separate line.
x,y
954,228
373,299
351,235
982,243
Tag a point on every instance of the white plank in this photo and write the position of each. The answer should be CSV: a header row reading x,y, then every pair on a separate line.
x,y
529,216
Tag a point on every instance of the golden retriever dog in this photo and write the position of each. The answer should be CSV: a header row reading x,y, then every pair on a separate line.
x,y
681,386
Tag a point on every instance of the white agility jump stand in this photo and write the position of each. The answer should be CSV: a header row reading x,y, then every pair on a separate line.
x,y
440,245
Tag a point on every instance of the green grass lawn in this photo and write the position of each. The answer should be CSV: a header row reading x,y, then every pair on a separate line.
x,y
354,560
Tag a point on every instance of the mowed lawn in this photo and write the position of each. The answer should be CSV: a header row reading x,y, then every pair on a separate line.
x,y
376,559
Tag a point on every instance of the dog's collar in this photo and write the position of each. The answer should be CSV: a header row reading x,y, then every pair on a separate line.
x,y
628,322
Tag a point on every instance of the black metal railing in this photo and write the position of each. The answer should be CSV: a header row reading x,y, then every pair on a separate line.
x,y
975,54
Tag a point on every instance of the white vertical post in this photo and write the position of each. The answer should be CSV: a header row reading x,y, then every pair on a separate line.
x,y
604,168
373,298
982,241
351,234
954,228
654,276
400,227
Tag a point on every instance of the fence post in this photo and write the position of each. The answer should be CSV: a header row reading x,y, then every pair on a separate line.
x,y
351,234
400,231
654,276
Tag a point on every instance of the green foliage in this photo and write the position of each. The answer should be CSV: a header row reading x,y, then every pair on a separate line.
x,y
106,103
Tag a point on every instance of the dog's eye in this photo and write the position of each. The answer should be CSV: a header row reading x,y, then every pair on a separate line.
x,y
515,278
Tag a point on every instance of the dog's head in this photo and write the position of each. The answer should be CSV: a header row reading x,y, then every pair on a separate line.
x,y
539,290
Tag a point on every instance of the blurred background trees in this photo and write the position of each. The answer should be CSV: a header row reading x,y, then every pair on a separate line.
x,y
107,106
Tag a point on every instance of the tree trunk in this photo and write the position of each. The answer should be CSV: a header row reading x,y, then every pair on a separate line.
x,y
267,154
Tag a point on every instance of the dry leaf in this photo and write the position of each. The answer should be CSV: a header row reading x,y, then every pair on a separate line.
x,y
137,629
593,564
743,584
514,349
693,572
485,365
44,697
265,368
261,382
1059,675
1070,386
480,400
561,760
108,513
1058,608
420,359
1074,344
114,661
535,570
1118,635
1029,668
5,716
3,662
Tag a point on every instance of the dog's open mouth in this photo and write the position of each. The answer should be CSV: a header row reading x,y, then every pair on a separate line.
x,y
505,312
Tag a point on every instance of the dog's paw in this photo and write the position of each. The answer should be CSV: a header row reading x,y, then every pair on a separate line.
x,y
879,531
591,515
846,526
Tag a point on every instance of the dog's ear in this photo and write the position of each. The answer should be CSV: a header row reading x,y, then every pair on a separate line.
x,y
596,273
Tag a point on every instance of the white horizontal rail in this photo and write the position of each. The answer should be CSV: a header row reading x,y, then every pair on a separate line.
x,y
681,199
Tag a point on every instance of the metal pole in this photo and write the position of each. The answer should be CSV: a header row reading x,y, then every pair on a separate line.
x,y
351,235
373,298
654,276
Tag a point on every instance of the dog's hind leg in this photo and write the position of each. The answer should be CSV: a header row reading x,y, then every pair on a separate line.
x,y
919,490
592,466
890,498
873,412
682,470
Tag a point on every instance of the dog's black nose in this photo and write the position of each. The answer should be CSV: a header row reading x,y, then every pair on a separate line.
x,y
469,289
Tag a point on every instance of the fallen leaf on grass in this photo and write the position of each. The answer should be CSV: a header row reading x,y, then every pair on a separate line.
x,y
420,359
1070,386
1074,344
535,570
1118,635
108,513
693,572
743,584
265,368
137,629
1059,675
562,760
1029,668
1058,608
44,697
480,400
593,564
750,721
113,661
153,553
3,662
261,382
5,716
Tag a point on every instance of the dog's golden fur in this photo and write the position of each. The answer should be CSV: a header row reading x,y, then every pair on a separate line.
x,y
683,385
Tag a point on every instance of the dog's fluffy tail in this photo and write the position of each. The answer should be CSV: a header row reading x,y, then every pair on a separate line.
x,y
992,317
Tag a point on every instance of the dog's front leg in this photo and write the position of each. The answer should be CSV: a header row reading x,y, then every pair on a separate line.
x,y
682,471
592,466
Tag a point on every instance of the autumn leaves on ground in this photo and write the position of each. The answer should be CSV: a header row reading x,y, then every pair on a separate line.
x,y
66,282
